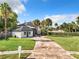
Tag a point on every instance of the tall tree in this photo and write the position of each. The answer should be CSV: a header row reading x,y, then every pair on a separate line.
x,y
74,26
77,20
36,22
56,25
6,14
42,24
48,22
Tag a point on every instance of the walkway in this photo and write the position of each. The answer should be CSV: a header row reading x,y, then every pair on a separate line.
x,y
47,49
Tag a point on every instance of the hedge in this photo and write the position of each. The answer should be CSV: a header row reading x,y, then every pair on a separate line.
x,y
64,34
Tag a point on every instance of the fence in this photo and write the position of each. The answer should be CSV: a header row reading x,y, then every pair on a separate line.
x,y
19,52
2,35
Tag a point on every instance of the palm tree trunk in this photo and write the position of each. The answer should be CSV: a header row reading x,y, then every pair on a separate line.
x,y
5,28
5,19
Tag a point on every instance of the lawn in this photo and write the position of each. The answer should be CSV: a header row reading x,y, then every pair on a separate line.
x,y
77,56
68,43
14,56
13,43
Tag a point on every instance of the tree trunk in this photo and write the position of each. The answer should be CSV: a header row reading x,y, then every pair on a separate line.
x,y
5,28
5,19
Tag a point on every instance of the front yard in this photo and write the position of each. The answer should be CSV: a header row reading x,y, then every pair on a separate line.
x,y
13,43
68,43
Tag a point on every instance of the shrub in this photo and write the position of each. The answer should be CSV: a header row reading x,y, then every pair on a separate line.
x,y
64,34
43,32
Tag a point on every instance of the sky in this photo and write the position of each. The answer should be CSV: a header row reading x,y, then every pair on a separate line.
x,y
58,10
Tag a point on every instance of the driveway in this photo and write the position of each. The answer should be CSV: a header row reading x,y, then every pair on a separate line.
x,y
47,49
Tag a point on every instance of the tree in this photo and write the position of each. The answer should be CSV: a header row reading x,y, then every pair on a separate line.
x,y
74,26
1,24
64,26
48,22
42,24
36,22
7,15
12,21
77,20
56,25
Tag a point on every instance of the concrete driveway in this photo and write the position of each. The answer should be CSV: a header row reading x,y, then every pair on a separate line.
x,y
47,49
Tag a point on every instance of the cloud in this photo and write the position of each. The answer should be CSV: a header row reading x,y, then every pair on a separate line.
x,y
62,18
16,5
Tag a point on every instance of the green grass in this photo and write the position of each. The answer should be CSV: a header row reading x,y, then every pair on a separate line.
x,y
76,56
15,56
13,43
68,43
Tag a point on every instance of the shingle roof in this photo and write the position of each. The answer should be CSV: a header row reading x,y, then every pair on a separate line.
x,y
26,24
24,28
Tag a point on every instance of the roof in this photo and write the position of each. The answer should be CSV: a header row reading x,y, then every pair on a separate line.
x,y
26,24
24,28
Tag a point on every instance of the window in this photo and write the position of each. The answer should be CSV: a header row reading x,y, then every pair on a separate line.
x,y
25,33
29,32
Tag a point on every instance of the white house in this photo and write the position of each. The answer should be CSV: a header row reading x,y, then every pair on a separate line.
x,y
25,30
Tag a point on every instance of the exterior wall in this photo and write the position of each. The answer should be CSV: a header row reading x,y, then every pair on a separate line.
x,y
23,34
30,33
17,34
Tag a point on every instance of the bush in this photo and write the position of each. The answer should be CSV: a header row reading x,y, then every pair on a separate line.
x,y
43,32
64,34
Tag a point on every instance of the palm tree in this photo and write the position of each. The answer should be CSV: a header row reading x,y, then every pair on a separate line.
x,y
56,25
42,24
74,25
77,20
36,22
48,22
64,26
5,10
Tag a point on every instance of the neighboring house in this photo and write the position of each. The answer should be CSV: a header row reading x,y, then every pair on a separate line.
x,y
25,30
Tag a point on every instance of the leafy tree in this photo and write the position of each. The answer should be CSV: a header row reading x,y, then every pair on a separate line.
x,y
8,17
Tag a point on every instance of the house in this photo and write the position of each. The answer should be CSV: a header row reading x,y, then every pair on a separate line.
x,y
26,30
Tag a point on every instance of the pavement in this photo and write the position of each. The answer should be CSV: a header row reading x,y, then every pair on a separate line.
x,y
47,49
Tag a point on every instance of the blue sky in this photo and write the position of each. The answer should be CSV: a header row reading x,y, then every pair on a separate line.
x,y
42,8
58,10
